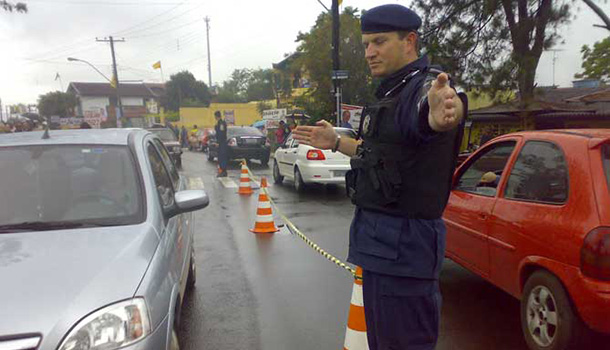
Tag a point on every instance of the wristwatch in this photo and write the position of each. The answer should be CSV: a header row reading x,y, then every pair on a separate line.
x,y
336,148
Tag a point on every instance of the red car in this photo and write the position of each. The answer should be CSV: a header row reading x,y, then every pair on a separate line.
x,y
530,212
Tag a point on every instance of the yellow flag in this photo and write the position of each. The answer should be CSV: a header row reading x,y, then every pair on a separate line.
x,y
157,65
340,1
113,81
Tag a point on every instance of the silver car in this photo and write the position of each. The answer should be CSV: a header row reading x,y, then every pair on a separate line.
x,y
96,241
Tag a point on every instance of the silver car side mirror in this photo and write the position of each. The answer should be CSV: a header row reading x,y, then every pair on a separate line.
x,y
187,201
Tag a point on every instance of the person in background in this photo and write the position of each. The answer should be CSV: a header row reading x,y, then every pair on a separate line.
x,y
281,133
221,138
184,137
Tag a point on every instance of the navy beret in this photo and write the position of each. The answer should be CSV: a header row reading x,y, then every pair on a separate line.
x,y
389,18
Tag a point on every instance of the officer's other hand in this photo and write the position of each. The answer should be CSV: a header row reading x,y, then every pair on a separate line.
x,y
443,102
321,136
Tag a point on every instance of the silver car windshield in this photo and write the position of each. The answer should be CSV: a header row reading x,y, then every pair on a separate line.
x,y
49,187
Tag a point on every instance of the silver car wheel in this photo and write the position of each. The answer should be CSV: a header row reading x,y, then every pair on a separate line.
x,y
542,316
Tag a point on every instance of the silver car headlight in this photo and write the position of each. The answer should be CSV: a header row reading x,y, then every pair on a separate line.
x,y
177,149
112,327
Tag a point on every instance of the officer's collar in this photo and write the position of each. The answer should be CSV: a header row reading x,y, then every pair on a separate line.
x,y
401,76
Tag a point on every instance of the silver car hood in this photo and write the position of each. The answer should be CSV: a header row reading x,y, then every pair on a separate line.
x,y
51,279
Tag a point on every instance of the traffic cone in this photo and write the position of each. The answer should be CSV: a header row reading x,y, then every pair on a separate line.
x,y
355,334
244,181
264,215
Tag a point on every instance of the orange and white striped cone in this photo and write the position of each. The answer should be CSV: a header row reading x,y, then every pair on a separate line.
x,y
264,215
244,181
355,334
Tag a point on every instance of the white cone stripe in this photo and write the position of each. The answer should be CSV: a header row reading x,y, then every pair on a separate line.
x,y
264,218
355,340
244,176
357,298
264,205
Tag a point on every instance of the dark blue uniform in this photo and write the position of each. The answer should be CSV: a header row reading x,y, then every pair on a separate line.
x,y
397,235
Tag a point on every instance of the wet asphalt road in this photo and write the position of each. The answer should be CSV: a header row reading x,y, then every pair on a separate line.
x,y
273,292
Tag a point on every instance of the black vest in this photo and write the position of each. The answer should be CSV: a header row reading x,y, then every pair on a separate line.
x,y
394,175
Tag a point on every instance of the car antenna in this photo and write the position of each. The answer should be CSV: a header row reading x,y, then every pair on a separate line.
x,y
46,131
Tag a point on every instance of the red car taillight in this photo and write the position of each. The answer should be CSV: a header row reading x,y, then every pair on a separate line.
x,y
595,254
315,154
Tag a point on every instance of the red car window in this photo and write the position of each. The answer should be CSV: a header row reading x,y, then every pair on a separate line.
x,y
482,176
540,174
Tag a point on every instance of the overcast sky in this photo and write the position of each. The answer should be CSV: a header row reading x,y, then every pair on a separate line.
x,y
34,47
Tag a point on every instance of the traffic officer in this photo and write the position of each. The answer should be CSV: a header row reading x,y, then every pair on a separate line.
x,y
402,165
221,138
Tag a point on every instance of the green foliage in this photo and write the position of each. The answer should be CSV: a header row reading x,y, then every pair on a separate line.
x,y
596,61
316,58
57,103
10,6
492,45
263,106
247,85
183,89
172,117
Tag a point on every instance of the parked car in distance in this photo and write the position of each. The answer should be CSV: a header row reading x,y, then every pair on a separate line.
x,y
245,142
306,165
96,241
171,142
530,212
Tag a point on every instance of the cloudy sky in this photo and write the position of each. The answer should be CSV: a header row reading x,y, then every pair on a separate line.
x,y
34,47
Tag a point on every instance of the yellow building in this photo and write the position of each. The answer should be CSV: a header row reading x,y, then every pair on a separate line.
x,y
239,114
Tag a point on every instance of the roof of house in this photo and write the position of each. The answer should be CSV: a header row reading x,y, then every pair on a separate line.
x,y
553,102
126,90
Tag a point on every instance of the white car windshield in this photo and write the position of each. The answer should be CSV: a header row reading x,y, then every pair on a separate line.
x,y
73,185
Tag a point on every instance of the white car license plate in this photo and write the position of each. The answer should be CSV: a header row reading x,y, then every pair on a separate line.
x,y
339,173
251,141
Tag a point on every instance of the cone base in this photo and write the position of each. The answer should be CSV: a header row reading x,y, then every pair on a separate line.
x,y
264,230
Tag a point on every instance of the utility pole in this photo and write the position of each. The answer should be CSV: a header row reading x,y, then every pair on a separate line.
x,y
119,105
207,27
554,60
335,55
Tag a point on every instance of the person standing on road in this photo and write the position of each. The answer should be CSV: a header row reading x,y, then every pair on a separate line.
x,y
402,166
183,137
221,138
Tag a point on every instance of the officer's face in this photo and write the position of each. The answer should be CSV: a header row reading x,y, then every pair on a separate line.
x,y
386,53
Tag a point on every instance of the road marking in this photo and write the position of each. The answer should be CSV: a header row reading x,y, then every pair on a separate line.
x,y
196,183
227,182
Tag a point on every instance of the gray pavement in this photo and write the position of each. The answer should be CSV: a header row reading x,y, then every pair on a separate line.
x,y
273,292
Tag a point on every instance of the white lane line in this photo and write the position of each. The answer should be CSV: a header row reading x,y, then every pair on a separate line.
x,y
196,183
227,182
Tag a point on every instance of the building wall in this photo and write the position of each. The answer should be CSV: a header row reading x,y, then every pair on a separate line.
x,y
132,101
91,103
245,114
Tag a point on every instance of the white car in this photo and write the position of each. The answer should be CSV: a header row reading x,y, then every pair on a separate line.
x,y
305,164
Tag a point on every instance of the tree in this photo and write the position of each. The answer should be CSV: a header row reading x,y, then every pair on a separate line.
x,y
10,6
183,89
247,85
315,48
57,103
602,15
492,45
596,61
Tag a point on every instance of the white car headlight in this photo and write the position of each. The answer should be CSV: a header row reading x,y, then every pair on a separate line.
x,y
112,327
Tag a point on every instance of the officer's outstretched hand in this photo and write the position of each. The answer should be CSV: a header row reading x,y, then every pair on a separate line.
x,y
445,106
321,136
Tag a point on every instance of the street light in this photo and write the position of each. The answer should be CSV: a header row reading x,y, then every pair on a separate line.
x,y
72,59
119,106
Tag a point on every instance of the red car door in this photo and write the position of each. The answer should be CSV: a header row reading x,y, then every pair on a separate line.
x,y
545,203
471,203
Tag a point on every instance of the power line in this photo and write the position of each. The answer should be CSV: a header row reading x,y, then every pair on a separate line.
x,y
163,31
131,32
